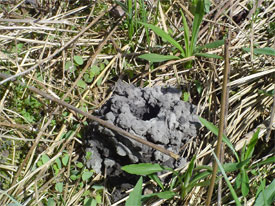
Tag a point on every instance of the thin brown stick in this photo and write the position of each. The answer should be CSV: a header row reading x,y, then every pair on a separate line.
x,y
221,158
221,124
100,121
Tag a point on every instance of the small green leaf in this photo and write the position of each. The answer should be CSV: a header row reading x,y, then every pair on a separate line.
x,y
55,168
231,167
98,198
95,70
265,50
245,183
50,202
59,186
209,55
186,96
198,86
86,175
207,4
88,155
266,93
102,66
213,45
238,181
143,168
74,177
157,57
99,81
65,159
251,145
155,178
45,158
69,66
90,202
98,187
162,195
87,78
81,84
39,163
58,162
79,164
135,196
78,60
164,35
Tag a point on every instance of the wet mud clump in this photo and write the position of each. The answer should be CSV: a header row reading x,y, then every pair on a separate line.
x,y
156,114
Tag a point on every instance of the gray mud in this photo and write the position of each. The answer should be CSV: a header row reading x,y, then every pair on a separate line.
x,y
156,114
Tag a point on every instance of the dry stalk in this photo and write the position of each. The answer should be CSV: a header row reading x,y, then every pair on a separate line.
x,y
221,123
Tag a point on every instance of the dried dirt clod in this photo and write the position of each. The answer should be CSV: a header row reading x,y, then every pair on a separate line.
x,y
156,114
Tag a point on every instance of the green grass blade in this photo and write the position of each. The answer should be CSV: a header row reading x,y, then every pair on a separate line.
x,y
164,35
157,57
215,130
245,183
155,178
267,196
261,187
135,195
233,193
162,195
186,35
143,168
265,50
199,176
234,166
238,181
251,144
213,45
130,8
187,176
199,13
270,160
215,56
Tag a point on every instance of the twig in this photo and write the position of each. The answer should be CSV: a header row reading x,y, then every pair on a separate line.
x,y
221,124
221,157
100,121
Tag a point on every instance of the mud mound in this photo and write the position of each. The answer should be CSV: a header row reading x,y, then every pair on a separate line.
x,y
156,114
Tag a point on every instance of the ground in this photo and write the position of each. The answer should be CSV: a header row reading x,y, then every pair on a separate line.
x,y
60,61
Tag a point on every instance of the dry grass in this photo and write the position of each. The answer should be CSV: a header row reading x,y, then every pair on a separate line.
x,y
34,38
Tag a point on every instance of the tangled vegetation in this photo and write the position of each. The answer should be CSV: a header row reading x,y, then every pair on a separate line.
x,y
75,51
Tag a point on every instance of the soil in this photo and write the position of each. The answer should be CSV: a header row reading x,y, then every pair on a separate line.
x,y
156,114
